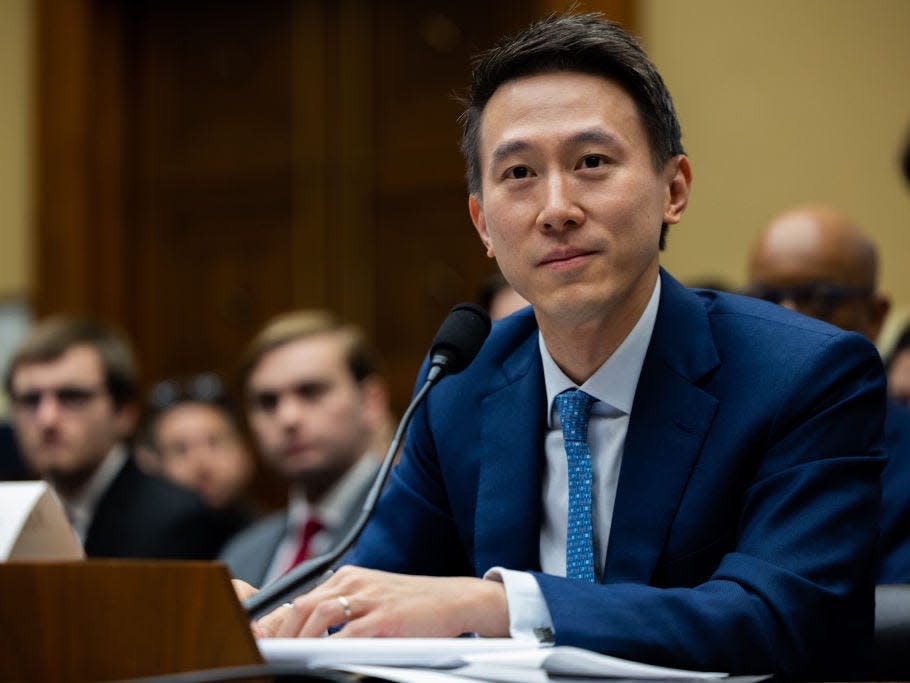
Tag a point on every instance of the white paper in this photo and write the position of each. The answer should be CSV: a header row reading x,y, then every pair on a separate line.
x,y
575,661
33,525
437,653
493,658
400,675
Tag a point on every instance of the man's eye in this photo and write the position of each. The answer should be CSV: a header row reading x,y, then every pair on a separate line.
x,y
74,398
265,401
518,172
311,391
592,161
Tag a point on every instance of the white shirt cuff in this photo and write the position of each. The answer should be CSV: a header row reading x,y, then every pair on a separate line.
x,y
529,616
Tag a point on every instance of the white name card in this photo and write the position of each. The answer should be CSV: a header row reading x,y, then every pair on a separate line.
x,y
33,525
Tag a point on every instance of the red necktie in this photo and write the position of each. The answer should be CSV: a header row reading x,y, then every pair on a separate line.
x,y
312,527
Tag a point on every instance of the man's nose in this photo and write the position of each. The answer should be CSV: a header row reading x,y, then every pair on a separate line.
x,y
560,208
288,412
48,409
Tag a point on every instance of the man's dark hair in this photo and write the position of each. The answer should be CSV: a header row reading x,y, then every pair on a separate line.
x,y
586,43
53,337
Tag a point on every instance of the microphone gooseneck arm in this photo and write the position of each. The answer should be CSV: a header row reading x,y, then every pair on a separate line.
x,y
458,341
310,573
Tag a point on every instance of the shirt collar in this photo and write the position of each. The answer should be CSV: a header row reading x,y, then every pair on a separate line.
x,y
81,508
614,383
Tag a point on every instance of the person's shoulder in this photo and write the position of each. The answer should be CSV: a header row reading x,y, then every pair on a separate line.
x,y
164,497
512,336
260,537
741,318
271,525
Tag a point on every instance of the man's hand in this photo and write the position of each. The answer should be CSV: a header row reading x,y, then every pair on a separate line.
x,y
373,603
243,589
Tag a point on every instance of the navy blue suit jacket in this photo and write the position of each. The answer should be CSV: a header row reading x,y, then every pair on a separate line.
x,y
745,520
894,543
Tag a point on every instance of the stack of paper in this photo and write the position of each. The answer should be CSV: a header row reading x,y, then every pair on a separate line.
x,y
442,660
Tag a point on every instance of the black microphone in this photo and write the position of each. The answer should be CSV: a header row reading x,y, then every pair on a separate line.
x,y
456,344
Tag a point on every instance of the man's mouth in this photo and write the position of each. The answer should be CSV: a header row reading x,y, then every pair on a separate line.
x,y
565,257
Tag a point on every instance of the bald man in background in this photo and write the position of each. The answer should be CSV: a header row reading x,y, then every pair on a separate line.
x,y
816,260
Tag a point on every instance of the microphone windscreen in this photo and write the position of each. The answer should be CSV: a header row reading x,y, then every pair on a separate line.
x,y
461,335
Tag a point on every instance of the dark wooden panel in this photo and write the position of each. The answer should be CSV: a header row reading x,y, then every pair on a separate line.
x,y
78,254
213,202
102,620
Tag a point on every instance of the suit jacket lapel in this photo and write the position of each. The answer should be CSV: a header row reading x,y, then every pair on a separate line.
x,y
670,418
507,521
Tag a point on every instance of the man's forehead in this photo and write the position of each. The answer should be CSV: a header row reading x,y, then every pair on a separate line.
x,y
201,416
798,250
315,358
528,98
80,363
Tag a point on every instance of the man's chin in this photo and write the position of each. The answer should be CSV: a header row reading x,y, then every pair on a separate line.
x,y
301,464
64,474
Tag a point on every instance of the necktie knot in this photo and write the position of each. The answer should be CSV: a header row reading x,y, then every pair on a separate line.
x,y
574,413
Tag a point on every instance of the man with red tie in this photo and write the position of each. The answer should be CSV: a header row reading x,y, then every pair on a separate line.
x,y
314,401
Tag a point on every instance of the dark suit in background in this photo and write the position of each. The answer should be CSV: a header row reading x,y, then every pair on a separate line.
x,y
12,468
894,542
143,516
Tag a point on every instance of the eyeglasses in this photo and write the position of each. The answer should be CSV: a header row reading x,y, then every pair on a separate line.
x,y
67,397
204,388
818,299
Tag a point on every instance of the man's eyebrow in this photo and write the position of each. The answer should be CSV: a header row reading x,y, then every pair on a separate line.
x,y
595,136
508,148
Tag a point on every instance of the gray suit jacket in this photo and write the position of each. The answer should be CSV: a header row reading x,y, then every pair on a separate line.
x,y
250,553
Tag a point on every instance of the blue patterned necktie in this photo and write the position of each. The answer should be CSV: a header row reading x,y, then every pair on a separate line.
x,y
574,411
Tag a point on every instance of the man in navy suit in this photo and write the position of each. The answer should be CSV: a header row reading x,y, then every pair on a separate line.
x,y
735,446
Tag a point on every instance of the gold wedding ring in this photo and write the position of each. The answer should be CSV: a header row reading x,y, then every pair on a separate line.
x,y
345,605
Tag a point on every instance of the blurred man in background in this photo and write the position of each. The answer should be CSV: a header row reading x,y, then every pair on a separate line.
x,y
817,260
314,403
193,437
72,388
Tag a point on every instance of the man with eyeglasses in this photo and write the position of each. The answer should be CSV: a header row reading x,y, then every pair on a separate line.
x,y
816,260
72,388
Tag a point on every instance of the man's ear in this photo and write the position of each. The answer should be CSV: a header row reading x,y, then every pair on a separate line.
x,y
879,305
679,179
475,208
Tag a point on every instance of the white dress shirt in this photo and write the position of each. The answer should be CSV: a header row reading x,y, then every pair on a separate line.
x,y
613,385
80,509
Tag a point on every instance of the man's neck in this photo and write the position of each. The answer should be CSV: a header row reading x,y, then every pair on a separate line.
x,y
314,486
580,346
69,485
